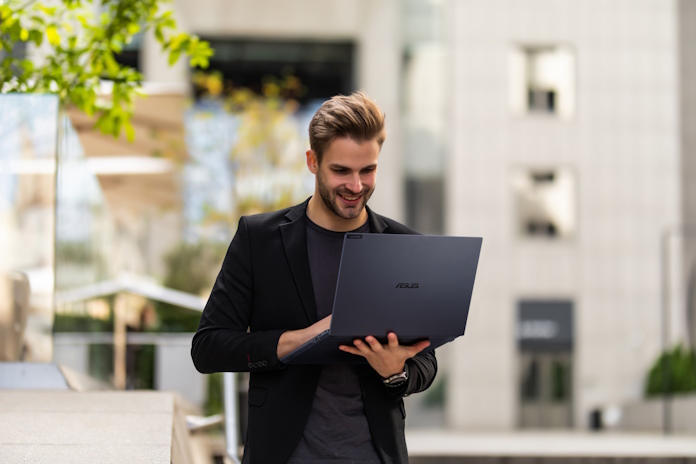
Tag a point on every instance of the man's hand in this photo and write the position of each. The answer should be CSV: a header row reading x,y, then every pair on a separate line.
x,y
293,339
386,359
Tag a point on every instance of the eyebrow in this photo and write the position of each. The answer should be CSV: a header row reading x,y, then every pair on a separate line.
x,y
340,166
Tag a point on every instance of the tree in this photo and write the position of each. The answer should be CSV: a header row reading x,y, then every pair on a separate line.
x,y
80,39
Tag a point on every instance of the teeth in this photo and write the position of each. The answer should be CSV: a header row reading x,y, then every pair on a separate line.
x,y
350,198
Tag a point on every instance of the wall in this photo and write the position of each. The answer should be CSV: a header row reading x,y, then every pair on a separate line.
x,y
623,145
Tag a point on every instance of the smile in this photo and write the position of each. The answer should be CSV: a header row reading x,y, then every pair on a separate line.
x,y
345,197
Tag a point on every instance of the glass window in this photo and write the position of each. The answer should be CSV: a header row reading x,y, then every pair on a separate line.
x,y
530,381
542,80
545,202
28,135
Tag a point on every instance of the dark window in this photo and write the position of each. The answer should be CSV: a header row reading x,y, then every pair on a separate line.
x,y
324,68
530,381
559,379
424,205
541,100
130,55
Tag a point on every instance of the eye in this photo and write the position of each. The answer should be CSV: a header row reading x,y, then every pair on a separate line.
x,y
340,170
369,170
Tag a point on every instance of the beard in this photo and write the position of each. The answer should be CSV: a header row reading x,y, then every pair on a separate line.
x,y
331,200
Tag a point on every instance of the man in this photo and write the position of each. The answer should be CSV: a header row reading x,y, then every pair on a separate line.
x,y
275,292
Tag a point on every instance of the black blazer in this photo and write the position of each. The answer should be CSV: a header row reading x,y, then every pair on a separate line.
x,y
265,286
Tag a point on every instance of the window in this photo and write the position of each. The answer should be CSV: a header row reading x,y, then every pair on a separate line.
x,y
542,80
545,202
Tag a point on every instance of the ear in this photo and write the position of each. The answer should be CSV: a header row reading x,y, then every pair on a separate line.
x,y
312,162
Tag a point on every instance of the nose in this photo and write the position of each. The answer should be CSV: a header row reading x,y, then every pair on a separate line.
x,y
355,185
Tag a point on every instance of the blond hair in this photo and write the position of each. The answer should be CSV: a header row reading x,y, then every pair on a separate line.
x,y
355,116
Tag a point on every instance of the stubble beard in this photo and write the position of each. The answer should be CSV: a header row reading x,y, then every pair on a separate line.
x,y
329,197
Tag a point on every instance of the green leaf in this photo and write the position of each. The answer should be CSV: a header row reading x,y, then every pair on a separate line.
x,y
36,37
27,66
24,35
158,34
179,41
50,11
130,132
174,56
112,66
133,28
52,34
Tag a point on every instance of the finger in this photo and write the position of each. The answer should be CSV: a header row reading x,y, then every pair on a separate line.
x,y
393,340
362,347
374,343
351,350
418,347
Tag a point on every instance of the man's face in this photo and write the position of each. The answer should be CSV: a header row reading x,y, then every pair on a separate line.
x,y
347,175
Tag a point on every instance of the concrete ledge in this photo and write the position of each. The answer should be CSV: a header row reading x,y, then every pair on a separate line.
x,y
441,447
105,427
547,460
647,415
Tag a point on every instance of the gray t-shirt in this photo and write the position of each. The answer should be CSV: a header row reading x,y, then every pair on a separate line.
x,y
337,431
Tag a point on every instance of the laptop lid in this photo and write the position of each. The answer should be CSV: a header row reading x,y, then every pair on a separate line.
x,y
417,286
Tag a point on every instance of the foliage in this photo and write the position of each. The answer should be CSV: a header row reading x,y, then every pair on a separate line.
x,y
267,142
68,322
264,127
142,373
214,402
190,268
680,363
79,40
434,397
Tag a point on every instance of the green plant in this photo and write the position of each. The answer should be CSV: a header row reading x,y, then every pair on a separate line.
x,y
68,322
434,397
79,40
191,267
673,372
214,403
142,371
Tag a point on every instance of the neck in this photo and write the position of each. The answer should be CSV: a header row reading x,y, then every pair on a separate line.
x,y
322,216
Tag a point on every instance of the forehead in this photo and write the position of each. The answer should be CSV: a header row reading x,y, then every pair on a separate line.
x,y
345,151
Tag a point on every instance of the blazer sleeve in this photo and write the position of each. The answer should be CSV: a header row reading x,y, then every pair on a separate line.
x,y
222,342
422,369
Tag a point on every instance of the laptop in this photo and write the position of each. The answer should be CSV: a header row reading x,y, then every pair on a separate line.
x,y
417,286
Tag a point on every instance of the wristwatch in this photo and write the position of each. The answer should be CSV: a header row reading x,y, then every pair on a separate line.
x,y
396,379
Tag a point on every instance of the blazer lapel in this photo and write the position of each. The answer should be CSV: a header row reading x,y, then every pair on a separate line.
x,y
294,234
377,224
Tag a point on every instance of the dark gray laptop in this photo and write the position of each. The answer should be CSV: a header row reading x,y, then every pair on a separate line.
x,y
417,286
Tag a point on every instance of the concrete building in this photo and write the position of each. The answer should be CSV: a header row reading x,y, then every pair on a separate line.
x,y
563,133
571,152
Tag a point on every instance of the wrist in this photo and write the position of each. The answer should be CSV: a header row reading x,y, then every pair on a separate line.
x,y
397,379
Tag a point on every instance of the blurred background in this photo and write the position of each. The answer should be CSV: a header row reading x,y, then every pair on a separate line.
x,y
562,132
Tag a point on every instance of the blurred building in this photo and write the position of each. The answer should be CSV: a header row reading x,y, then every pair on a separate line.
x,y
558,131
572,140
563,133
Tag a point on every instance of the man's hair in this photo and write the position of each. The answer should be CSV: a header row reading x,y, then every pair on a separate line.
x,y
355,116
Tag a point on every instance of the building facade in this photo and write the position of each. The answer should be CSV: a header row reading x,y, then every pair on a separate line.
x,y
563,133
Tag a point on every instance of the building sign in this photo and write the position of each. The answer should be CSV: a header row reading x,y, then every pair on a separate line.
x,y
545,324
